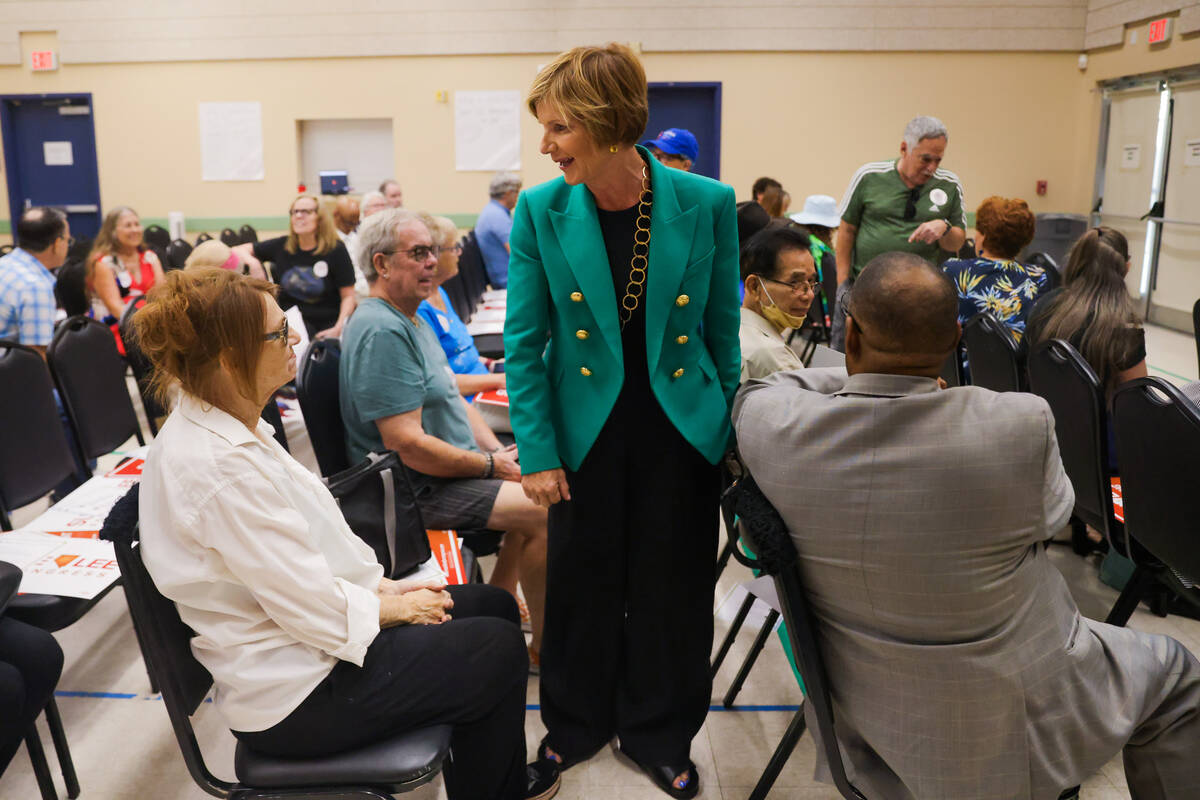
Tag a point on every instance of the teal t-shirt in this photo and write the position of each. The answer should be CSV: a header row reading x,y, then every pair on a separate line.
x,y
875,203
391,365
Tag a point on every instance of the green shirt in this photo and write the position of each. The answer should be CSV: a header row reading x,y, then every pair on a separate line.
x,y
875,202
391,365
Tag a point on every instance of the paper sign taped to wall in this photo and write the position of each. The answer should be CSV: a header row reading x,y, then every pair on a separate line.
x,y
58,154
231,144
487,131
1191,153
1131,156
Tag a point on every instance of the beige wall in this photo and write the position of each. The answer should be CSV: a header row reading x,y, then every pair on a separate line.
x,y
106,31
809,119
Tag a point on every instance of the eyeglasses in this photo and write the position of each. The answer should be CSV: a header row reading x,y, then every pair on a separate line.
x,y
910,208
302,212
420,253
453,248
281,334
813,286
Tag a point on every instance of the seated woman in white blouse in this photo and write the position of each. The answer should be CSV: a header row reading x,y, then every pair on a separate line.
x,y
312,651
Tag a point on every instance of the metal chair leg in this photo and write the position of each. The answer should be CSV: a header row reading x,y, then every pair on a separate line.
x,y
1139,583
137,633
751,657
723,559
734,627
782,753
59,736
41,770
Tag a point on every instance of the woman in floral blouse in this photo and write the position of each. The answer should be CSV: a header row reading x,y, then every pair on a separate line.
x,y
994,281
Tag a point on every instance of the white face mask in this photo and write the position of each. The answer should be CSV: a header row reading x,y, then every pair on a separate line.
x,y
776,315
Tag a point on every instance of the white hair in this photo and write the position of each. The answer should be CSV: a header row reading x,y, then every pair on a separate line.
x,y
377,234
503,183
921,128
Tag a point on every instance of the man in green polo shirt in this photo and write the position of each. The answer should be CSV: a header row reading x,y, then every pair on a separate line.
x,y
909,205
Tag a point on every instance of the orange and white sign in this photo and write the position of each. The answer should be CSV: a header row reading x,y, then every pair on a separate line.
x,y
493,397
71,567
1118,500
448,554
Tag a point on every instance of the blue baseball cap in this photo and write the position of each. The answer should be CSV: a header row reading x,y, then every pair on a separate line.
x,y
676,141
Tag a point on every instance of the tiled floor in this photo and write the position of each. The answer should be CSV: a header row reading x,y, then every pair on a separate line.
x,y
123,746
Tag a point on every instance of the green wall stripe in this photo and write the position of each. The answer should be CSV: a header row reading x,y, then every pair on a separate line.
x,y
5,226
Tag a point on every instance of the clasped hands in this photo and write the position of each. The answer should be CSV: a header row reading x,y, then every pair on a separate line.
x,y
931,231
416,602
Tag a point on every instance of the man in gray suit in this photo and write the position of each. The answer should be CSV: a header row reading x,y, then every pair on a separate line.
x,y
959,664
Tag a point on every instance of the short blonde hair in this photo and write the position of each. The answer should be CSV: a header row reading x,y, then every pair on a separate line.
x,y
601,88
213,253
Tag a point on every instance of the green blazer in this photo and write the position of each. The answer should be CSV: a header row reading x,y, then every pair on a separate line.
x,y
562,335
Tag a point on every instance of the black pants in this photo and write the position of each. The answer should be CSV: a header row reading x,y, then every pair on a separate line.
x,y
470,672
30,664
629,585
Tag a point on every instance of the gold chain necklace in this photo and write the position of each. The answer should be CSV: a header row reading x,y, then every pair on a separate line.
x,y
641,254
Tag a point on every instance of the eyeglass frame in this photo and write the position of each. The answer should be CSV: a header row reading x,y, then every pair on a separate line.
x,y
814,285
434,250
301,212
282,334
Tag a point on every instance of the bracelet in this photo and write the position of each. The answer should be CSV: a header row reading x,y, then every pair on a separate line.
x,y
490,469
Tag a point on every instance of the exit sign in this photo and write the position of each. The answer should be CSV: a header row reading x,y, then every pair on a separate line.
x,y
43,60
1159,31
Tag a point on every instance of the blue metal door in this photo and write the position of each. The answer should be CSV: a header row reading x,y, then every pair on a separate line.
x,y
50,150
695,107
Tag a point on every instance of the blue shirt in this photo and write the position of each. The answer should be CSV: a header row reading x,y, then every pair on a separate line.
x,y
458,345
1005,289
491,231
27,305
391,365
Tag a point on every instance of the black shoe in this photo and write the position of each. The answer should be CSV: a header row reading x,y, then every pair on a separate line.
x,y
543,778
665,775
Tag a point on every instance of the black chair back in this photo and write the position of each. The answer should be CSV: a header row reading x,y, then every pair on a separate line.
x,y
319,393
1053,273
142,369
472,271
79,248
166,644
952,369
271,414
177,253
157,237
70,288
10,581
766,534
35,457
203,237
1068,383
1158,436
1196,328
90,376
230,237
248,234
458,297
992,355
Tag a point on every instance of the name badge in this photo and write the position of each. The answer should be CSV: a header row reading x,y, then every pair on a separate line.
x,y
320,269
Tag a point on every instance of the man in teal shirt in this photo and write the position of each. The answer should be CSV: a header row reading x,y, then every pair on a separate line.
x,y
909,205
398,393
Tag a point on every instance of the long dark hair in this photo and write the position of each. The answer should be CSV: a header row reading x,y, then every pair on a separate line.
x,y
1094,301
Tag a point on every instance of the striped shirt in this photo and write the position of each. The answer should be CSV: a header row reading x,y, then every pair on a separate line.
x,y
27,305
876,200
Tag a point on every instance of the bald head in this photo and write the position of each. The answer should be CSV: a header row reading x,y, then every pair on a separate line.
x,y
904,312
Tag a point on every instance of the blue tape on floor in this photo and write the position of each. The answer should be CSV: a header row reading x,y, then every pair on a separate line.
x,y
106,695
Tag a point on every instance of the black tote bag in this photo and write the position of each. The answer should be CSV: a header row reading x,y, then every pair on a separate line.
x,y
379,505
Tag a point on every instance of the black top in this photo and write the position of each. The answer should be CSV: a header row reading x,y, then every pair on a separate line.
x,y
1041,313
334,269
617,228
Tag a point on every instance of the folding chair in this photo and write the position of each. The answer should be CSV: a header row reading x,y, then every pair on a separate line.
x,y
202,238
992,355
90,376
247,234
380,770
157,237
177,253
139,364
230,237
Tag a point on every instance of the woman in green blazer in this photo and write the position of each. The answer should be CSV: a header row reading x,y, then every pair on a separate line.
x,y
621,346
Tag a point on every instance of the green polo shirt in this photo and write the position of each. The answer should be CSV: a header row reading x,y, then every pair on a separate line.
x,y
875,203
391,365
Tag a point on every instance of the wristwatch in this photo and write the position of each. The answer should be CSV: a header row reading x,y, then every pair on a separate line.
x,y
949,227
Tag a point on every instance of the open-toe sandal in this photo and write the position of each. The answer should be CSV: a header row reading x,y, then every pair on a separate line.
x,y
665,775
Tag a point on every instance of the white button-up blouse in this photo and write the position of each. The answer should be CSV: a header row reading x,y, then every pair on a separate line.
x,y
255,553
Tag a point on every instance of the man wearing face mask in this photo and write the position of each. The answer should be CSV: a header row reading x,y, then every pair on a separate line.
x,y
906,205
781,283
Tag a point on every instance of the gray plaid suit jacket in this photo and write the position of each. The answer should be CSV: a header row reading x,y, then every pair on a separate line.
x,y
959,664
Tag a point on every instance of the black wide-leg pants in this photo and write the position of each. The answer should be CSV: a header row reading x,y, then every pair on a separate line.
x,y
630,572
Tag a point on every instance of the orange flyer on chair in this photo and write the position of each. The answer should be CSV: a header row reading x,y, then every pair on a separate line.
x,y
1118,502
495,397
132,466
444,545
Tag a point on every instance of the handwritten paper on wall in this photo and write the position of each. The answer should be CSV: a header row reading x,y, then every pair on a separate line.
x,y
487,131
231,147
